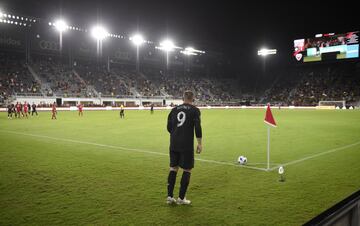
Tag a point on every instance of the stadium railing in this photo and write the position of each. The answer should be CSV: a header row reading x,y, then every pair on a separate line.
x,y
346,212
28,95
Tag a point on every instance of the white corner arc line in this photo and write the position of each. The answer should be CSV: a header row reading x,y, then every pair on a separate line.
x,y
128,149
317,155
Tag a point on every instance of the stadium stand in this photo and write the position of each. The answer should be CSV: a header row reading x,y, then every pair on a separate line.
x,y
15,79
320,83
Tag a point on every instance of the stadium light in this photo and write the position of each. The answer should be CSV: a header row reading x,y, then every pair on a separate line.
x,y
137,39
60,25
264,52
191,51
1,13
167,45
99,33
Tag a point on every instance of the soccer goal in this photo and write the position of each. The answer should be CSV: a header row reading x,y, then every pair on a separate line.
x,y
332,104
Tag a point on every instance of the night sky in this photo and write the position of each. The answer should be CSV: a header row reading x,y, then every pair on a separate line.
x,y
238,28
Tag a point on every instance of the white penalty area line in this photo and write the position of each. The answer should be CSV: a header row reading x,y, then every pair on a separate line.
x,y
317,155
127,149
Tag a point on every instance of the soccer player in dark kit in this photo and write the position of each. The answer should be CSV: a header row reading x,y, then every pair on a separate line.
x,y
122,114
152,109
183,120
34,111
10,110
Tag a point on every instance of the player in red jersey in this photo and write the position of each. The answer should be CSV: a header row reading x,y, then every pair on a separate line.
x,y
18,109
26,109
80,107
53,110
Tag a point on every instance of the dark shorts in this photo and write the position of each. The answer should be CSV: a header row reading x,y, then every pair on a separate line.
x,y
183,159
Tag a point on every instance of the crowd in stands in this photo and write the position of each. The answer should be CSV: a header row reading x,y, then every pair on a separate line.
x,y
15,77
206,89
105,82
335,83
304,87
61,78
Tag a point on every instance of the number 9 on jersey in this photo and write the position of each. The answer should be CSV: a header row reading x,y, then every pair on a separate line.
x,y
181,117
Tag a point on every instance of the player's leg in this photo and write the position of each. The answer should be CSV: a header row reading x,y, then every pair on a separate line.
x,y
174,167
185,180
186,163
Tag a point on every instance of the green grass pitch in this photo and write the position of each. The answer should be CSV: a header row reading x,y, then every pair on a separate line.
x,y
101,170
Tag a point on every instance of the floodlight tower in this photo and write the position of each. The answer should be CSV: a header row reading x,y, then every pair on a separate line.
x,y
99,33
188,52
61,27
167,46
137,40
264,53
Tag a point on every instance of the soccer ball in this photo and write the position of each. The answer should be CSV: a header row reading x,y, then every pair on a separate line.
x,y
242,160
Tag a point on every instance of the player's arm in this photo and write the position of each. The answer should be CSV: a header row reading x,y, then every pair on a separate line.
x,y
198,131
169,124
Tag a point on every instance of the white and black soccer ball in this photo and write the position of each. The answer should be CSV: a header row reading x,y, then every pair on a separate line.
x,y
242,160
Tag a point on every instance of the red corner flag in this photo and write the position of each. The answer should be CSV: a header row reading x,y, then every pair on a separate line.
x,y
269,119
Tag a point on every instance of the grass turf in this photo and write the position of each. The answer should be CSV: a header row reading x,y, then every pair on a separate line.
x,y
66,181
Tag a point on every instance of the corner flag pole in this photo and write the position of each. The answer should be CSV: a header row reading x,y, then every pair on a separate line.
x,y
270,121
268,149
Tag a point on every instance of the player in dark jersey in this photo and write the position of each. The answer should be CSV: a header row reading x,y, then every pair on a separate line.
x,y
122,114
183,120
152,109
10,111
33,111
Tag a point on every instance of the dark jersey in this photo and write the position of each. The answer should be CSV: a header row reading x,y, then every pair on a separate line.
x,y
33,107
183,120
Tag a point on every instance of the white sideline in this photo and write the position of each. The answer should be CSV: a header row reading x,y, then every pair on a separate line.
x,y
128,149
317,155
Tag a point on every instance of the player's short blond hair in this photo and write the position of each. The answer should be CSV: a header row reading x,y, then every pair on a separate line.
x,y
188,95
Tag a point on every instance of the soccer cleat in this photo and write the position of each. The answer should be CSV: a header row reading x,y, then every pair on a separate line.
x,y
183,201
170,200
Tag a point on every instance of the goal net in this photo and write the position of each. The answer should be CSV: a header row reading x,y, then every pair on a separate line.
x,y
331,104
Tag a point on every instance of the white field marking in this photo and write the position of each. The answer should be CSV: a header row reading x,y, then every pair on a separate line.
x,y
127,149
316,155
